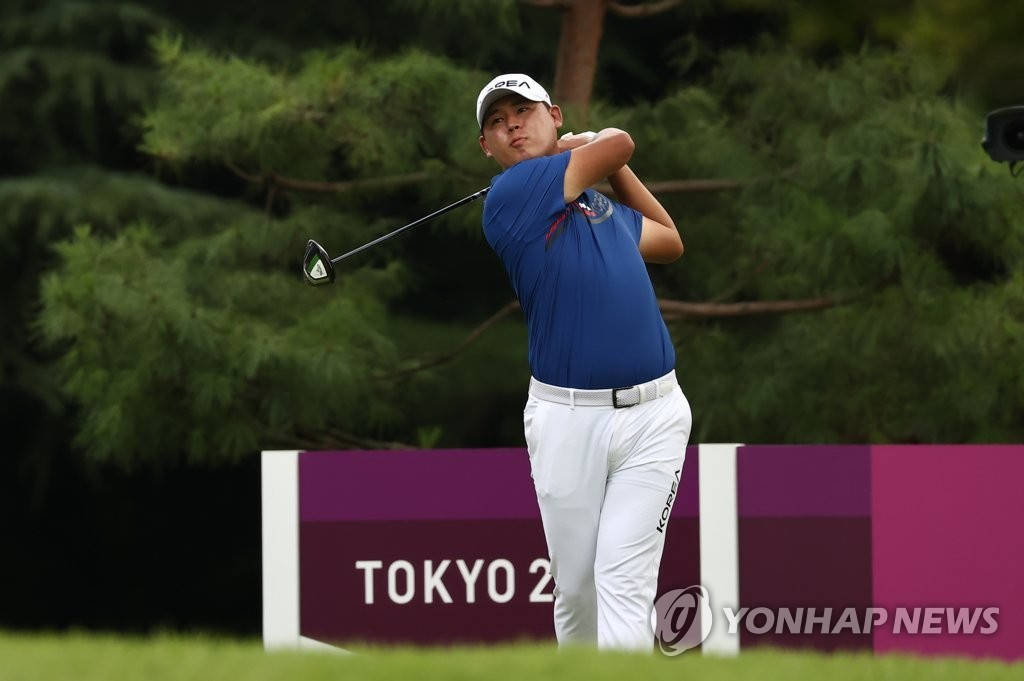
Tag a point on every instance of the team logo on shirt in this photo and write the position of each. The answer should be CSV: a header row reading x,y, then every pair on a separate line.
x,y
592,205
595,206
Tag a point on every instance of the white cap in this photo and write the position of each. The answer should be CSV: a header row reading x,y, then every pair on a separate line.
x,y
509,84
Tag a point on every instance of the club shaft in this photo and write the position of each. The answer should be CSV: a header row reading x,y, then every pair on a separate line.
x,y
436,213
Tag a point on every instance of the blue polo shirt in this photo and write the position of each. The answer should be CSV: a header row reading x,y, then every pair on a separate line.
x,y
590,308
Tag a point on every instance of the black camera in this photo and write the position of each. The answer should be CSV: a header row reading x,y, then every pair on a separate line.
x,y
1004,134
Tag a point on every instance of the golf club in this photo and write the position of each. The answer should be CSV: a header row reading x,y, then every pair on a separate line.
x,y
318,267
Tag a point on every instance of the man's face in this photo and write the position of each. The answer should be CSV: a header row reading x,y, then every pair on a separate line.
x,y
516,129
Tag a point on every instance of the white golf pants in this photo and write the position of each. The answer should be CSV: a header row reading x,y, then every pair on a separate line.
x,y
606,480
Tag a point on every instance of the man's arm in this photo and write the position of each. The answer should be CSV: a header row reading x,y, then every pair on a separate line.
x,y
593,158
660,241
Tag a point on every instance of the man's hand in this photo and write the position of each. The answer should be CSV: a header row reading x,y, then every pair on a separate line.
x,y
571,141
592,159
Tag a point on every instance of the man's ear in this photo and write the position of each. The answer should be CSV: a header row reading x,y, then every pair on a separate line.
x,y
556,115
483,145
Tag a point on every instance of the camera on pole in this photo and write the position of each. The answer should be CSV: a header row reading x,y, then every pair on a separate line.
x,y
1004,135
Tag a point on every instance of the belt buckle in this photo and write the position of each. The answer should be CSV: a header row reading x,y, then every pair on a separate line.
x,y
615,398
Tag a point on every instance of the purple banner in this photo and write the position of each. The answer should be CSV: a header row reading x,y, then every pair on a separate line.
x,y
438,484
919,547
891,548
451,581
801,481
948,544
440,546
804,540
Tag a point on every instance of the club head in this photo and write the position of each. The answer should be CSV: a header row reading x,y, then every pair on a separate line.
x,y
316,265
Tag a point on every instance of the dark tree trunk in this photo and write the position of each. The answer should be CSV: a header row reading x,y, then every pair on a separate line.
x,y
582,24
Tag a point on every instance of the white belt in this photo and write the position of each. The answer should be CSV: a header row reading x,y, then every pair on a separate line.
x,y
608,397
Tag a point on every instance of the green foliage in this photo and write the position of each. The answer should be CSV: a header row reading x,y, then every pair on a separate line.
x,y
974,43
227,109
171,355
116,28
38,211
49,203
71,74
174,323
864,185
868,187
343,113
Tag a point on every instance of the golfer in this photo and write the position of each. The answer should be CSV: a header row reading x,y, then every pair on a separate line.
x,y
606,422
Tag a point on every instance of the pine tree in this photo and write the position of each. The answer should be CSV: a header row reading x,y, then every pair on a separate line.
x,y
853,268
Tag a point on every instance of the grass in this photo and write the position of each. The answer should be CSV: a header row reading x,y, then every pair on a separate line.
x,y
84,657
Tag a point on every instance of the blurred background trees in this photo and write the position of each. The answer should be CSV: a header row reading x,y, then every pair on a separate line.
x,y
853,269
